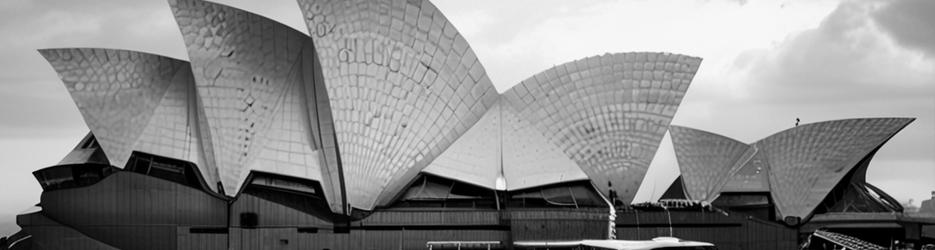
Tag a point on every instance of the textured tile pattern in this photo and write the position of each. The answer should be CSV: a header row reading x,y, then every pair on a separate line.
x,y
750,173
241,79
807,161
289,148
257,81
476,156
706,160
134,101
607,113
175,130
172,129
504,145
404,85
116,92
529,158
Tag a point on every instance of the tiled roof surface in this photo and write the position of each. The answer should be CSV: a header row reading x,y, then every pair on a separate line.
x,y
607,113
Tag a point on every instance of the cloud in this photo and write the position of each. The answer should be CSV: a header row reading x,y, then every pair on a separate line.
x,y
910,22
520,38
846,58
902,179
30,89
34,101
863,60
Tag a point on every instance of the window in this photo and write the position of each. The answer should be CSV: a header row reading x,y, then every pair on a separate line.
x,y
574,195
301,194
432,191
72,176
174,170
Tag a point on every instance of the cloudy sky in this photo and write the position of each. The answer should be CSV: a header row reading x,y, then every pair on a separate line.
x,y
765,63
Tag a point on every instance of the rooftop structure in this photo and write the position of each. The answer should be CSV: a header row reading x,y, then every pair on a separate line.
x,y
364,110
381,128
799,167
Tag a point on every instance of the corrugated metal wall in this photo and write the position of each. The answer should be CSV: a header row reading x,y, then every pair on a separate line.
x,y
725,231
185,240
558,224
442,217
358,239
48,234
270,214
133,211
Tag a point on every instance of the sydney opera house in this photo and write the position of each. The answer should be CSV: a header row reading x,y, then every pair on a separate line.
x,y
381,130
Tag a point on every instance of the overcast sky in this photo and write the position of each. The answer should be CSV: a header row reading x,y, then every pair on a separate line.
x,y
765,64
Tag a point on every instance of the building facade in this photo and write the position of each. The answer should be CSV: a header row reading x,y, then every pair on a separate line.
x,y
381,130
811,178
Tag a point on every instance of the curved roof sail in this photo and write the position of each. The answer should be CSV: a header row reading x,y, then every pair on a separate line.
x,y
750,173
264,105
807,161
529,158
404,85
705,159
476,156
135,101
503,146
607,113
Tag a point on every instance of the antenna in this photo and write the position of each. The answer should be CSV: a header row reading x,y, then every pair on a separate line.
x,y
669,216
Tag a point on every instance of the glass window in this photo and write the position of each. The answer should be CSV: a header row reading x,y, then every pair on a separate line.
x,y
577,194
284,184
72,176
433,191
174,170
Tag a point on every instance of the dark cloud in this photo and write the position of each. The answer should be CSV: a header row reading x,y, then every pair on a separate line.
x,y
846,67
911,23
845,59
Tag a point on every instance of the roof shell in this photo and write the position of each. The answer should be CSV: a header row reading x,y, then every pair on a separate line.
x,y
798,166
264,107
807,161
135,101
607,113
404,85
705,160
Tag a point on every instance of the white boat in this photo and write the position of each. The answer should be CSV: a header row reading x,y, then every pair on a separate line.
x,y
660,243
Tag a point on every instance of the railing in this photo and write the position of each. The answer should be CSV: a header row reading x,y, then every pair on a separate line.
x,y
463,244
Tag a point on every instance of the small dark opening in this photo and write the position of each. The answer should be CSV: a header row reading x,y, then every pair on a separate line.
x,y
249,220
208,230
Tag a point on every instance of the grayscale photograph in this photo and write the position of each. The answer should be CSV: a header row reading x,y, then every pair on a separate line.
x,y
467,124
